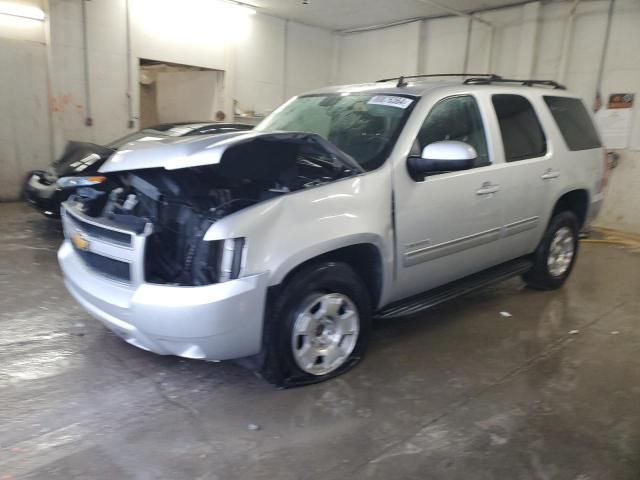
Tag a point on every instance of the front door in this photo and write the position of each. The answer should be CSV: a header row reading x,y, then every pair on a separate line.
x,y
448,224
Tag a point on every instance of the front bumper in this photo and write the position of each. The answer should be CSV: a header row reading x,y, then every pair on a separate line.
x,y
45,198
213,322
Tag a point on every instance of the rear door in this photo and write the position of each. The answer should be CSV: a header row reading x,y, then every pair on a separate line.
x,y
582,160
530,175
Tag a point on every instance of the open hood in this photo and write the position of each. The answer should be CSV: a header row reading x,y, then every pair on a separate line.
x,y
185,185
81,158
262,149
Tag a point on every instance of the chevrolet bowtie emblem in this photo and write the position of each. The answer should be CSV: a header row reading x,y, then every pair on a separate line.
x,y
80,241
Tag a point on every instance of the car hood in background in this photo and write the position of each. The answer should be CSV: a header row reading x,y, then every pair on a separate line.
x,y
172,153
80,158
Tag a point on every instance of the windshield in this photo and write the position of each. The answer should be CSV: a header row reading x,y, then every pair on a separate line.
x,y
364,126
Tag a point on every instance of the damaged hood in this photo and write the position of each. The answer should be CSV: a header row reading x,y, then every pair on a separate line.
x,y
173,154
81,158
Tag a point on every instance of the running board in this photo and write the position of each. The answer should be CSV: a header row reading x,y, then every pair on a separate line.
x,y
455,289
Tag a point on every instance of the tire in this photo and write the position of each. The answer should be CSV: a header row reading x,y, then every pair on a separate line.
x,y
304,346
561,236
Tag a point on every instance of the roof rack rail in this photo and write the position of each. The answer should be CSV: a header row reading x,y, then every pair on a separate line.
x,y
476,79
483,80
401,79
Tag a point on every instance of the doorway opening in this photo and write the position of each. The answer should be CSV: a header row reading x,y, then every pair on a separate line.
x,y
172,93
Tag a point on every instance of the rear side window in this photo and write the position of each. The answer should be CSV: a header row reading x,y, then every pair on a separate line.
x,y
574,122
522,134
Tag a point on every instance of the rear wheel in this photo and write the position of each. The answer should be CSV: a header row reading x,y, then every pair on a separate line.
x,y
317,326
556,254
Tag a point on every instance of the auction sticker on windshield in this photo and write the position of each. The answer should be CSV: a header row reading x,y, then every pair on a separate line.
x,y
391,101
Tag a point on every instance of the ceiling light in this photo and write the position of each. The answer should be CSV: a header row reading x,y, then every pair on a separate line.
x,y
20,10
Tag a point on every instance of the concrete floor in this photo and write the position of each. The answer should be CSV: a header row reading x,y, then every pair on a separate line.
x,y
459,393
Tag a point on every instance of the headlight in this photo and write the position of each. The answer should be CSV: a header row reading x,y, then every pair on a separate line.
x,y
67,182
231,259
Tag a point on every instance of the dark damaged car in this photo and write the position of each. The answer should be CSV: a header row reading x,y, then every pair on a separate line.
x,y
79,164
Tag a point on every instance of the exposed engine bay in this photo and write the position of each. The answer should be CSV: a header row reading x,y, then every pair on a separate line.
x,y
183,203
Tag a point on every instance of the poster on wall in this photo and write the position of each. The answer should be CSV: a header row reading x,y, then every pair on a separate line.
x,y
621,100
614,125
625,101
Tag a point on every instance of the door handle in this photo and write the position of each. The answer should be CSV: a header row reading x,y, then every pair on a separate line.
x,y
487,188
549,174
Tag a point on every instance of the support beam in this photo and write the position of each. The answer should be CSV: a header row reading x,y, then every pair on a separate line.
x,y
567,36
605,47
465,63
421,64
528,40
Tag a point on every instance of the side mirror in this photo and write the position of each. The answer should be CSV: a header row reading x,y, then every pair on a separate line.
x,y
444,156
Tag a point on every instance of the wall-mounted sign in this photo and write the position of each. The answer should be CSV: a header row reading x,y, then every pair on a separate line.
x,y
620,100
614,125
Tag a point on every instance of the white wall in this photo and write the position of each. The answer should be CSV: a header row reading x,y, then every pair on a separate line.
x,y
309,58
259,65
155,34
265,60
278,59
188,95
436,33
24,119
107,73
369,56
527,42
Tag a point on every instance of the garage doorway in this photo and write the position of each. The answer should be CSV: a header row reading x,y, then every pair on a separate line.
x,y
178,93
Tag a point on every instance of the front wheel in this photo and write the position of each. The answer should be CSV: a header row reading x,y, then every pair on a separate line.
x,y
317,326
556,254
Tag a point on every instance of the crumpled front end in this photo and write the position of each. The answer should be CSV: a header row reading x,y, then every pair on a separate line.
x,y
103,269
138,257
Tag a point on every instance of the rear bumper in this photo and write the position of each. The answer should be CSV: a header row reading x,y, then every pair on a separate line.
x,y
213,322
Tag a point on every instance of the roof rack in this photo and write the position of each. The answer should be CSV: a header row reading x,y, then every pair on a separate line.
x,y
483,80
401,79
477,79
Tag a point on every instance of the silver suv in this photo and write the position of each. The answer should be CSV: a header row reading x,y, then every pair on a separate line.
x,y
279,245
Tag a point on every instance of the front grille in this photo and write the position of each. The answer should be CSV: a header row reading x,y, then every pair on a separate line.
x,y
109,267
105,248
102,233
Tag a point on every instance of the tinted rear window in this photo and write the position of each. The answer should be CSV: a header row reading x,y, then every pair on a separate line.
x,y
522,134
574,122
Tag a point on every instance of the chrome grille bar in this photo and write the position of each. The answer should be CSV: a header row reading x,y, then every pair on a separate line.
x,y
104,247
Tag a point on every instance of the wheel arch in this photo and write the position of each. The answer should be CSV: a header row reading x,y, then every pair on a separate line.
x,y
365,257
576,201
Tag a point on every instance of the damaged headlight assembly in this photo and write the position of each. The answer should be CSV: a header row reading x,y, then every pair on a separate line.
x,y
207,262
72,182
231,259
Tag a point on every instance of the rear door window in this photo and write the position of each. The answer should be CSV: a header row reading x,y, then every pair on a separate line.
x,y
574,122
521,131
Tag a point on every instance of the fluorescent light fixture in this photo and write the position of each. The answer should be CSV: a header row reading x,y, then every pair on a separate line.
x,y
192,22
21,10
